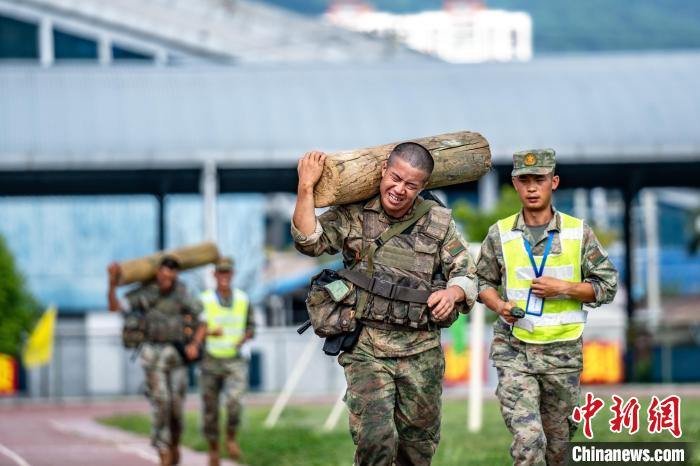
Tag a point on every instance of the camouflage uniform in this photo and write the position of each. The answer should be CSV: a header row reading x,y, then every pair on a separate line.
x,y
227,376
394,376
538,384
164,369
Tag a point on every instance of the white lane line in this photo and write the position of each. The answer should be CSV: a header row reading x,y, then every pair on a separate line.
x,y
135,450
130,449
13,456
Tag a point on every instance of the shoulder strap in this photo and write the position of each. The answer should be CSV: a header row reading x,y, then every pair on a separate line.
x,y
392,231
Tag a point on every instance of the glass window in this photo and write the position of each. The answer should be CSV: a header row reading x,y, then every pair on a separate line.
x,y
71,47
63,244
18,39
119,53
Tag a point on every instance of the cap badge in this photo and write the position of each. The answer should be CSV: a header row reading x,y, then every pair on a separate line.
x,y
530,160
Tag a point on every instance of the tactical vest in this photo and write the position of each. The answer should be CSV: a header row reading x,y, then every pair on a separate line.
x,y
164,315
231,319
407,260
562,318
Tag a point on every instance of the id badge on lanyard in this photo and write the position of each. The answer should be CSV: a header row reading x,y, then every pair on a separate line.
x,y
535,304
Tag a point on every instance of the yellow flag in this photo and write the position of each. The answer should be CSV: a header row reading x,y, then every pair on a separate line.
x,y
39,347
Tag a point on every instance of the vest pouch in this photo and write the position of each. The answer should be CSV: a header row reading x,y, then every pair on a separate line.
x,y
399,312
417,315
377,308
134,329
330,304
164,328
425,249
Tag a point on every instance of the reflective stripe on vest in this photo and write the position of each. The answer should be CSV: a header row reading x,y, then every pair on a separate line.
x,y
562,318
231,319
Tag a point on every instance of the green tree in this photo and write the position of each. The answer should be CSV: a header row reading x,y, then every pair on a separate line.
x,y
476,223
18,309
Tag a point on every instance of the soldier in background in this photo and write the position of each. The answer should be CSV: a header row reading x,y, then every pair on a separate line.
x,y
229,321
395,371
548,264
169,311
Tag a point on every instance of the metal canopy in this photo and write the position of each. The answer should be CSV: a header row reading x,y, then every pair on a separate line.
x,y
637,108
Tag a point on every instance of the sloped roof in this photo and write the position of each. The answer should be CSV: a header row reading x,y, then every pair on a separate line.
x,y
637,107
240,31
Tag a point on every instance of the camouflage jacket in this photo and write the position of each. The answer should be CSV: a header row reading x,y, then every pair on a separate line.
x,y
596,267
167,315
555,358
340,230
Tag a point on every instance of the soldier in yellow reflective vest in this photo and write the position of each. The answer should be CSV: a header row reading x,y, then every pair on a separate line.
x,y
548,264
229,320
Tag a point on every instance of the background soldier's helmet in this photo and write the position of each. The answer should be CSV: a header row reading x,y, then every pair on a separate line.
x,y
225,264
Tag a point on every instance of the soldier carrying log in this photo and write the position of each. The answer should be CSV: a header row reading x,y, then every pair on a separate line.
x,y
169,311
408,272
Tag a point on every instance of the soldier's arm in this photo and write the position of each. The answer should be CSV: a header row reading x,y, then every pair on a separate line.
x,y
113,273
315,236
249,326
488,271
309,169
599,276
332,228
200,334
459,270
194,308
597,269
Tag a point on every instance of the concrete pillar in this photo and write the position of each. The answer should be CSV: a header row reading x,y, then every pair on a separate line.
x,y
628,196
581,203
161,57
653,276
488,191
46,49
209,187
599,205
104,50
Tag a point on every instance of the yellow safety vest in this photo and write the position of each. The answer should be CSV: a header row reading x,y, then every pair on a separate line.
x,y
231,319
562,318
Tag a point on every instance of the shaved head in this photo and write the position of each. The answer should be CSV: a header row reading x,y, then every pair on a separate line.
x,y
415,155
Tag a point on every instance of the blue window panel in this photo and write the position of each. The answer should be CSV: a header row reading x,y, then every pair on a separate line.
x,y
62,245
241,234
18,39
120,53
72,47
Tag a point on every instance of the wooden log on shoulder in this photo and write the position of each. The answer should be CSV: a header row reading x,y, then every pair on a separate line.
x,y
144,269
353,176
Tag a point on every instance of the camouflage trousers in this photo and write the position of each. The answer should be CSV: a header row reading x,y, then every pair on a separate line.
x,y
166,386
538,388
395,406
222,376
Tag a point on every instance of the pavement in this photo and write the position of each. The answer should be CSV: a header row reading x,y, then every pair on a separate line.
x,y
67,434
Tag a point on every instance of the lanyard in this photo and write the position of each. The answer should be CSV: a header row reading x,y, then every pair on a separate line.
x,y
528,248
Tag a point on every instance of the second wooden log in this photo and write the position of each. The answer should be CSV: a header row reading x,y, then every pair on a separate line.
x,y
144,269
